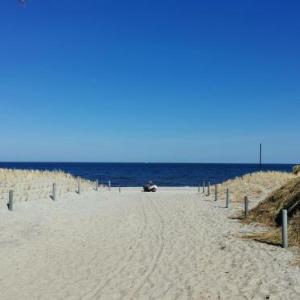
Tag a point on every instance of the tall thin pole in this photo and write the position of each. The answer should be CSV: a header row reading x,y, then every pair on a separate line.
x,y
260,149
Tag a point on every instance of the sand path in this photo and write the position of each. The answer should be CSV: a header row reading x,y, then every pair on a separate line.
x,y
174,244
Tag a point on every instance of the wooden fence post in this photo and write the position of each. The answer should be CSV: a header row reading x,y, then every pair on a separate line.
x,y
216,192
227,198
284,229
78,186
10,200
54,191
246,206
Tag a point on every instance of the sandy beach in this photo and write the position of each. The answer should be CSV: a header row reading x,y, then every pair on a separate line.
x,y
149,150
173,244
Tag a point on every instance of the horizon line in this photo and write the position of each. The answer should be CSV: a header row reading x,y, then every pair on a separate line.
x,y
139,162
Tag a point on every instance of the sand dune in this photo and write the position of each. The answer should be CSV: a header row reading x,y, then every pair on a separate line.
x,y
37,185
173,244
256,185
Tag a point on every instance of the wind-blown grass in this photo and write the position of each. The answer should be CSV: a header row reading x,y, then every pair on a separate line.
x,y
256,185
34,184
296,169
268,212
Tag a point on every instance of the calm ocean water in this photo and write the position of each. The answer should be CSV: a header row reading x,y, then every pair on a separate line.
x,y
163,174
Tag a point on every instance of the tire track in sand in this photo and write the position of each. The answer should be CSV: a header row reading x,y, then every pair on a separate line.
x,y
96,291
153,265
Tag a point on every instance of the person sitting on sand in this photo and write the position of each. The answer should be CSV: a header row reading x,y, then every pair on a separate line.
x,y
150,187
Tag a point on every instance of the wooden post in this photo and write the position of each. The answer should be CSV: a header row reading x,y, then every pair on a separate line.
x,y
203,187
97,184
246,206
284,229
119,189
10,200
54,192
109,185
227,198
78,185
208,189
216,192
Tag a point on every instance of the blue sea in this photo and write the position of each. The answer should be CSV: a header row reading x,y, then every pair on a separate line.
x,y
162,174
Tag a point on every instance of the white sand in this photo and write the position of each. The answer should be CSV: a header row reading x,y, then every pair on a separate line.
x,y
173,244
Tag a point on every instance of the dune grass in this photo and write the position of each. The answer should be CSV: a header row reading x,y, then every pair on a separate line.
x,y
34,184
296,169
268,213
256,185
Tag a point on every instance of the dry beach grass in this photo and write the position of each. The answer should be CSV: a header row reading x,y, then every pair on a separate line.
x,y
36,185
268,212
256,185
296,169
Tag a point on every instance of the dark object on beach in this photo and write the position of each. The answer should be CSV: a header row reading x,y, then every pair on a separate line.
x,y
150,187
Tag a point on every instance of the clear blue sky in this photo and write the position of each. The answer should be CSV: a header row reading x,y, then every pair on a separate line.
x,y
176,81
